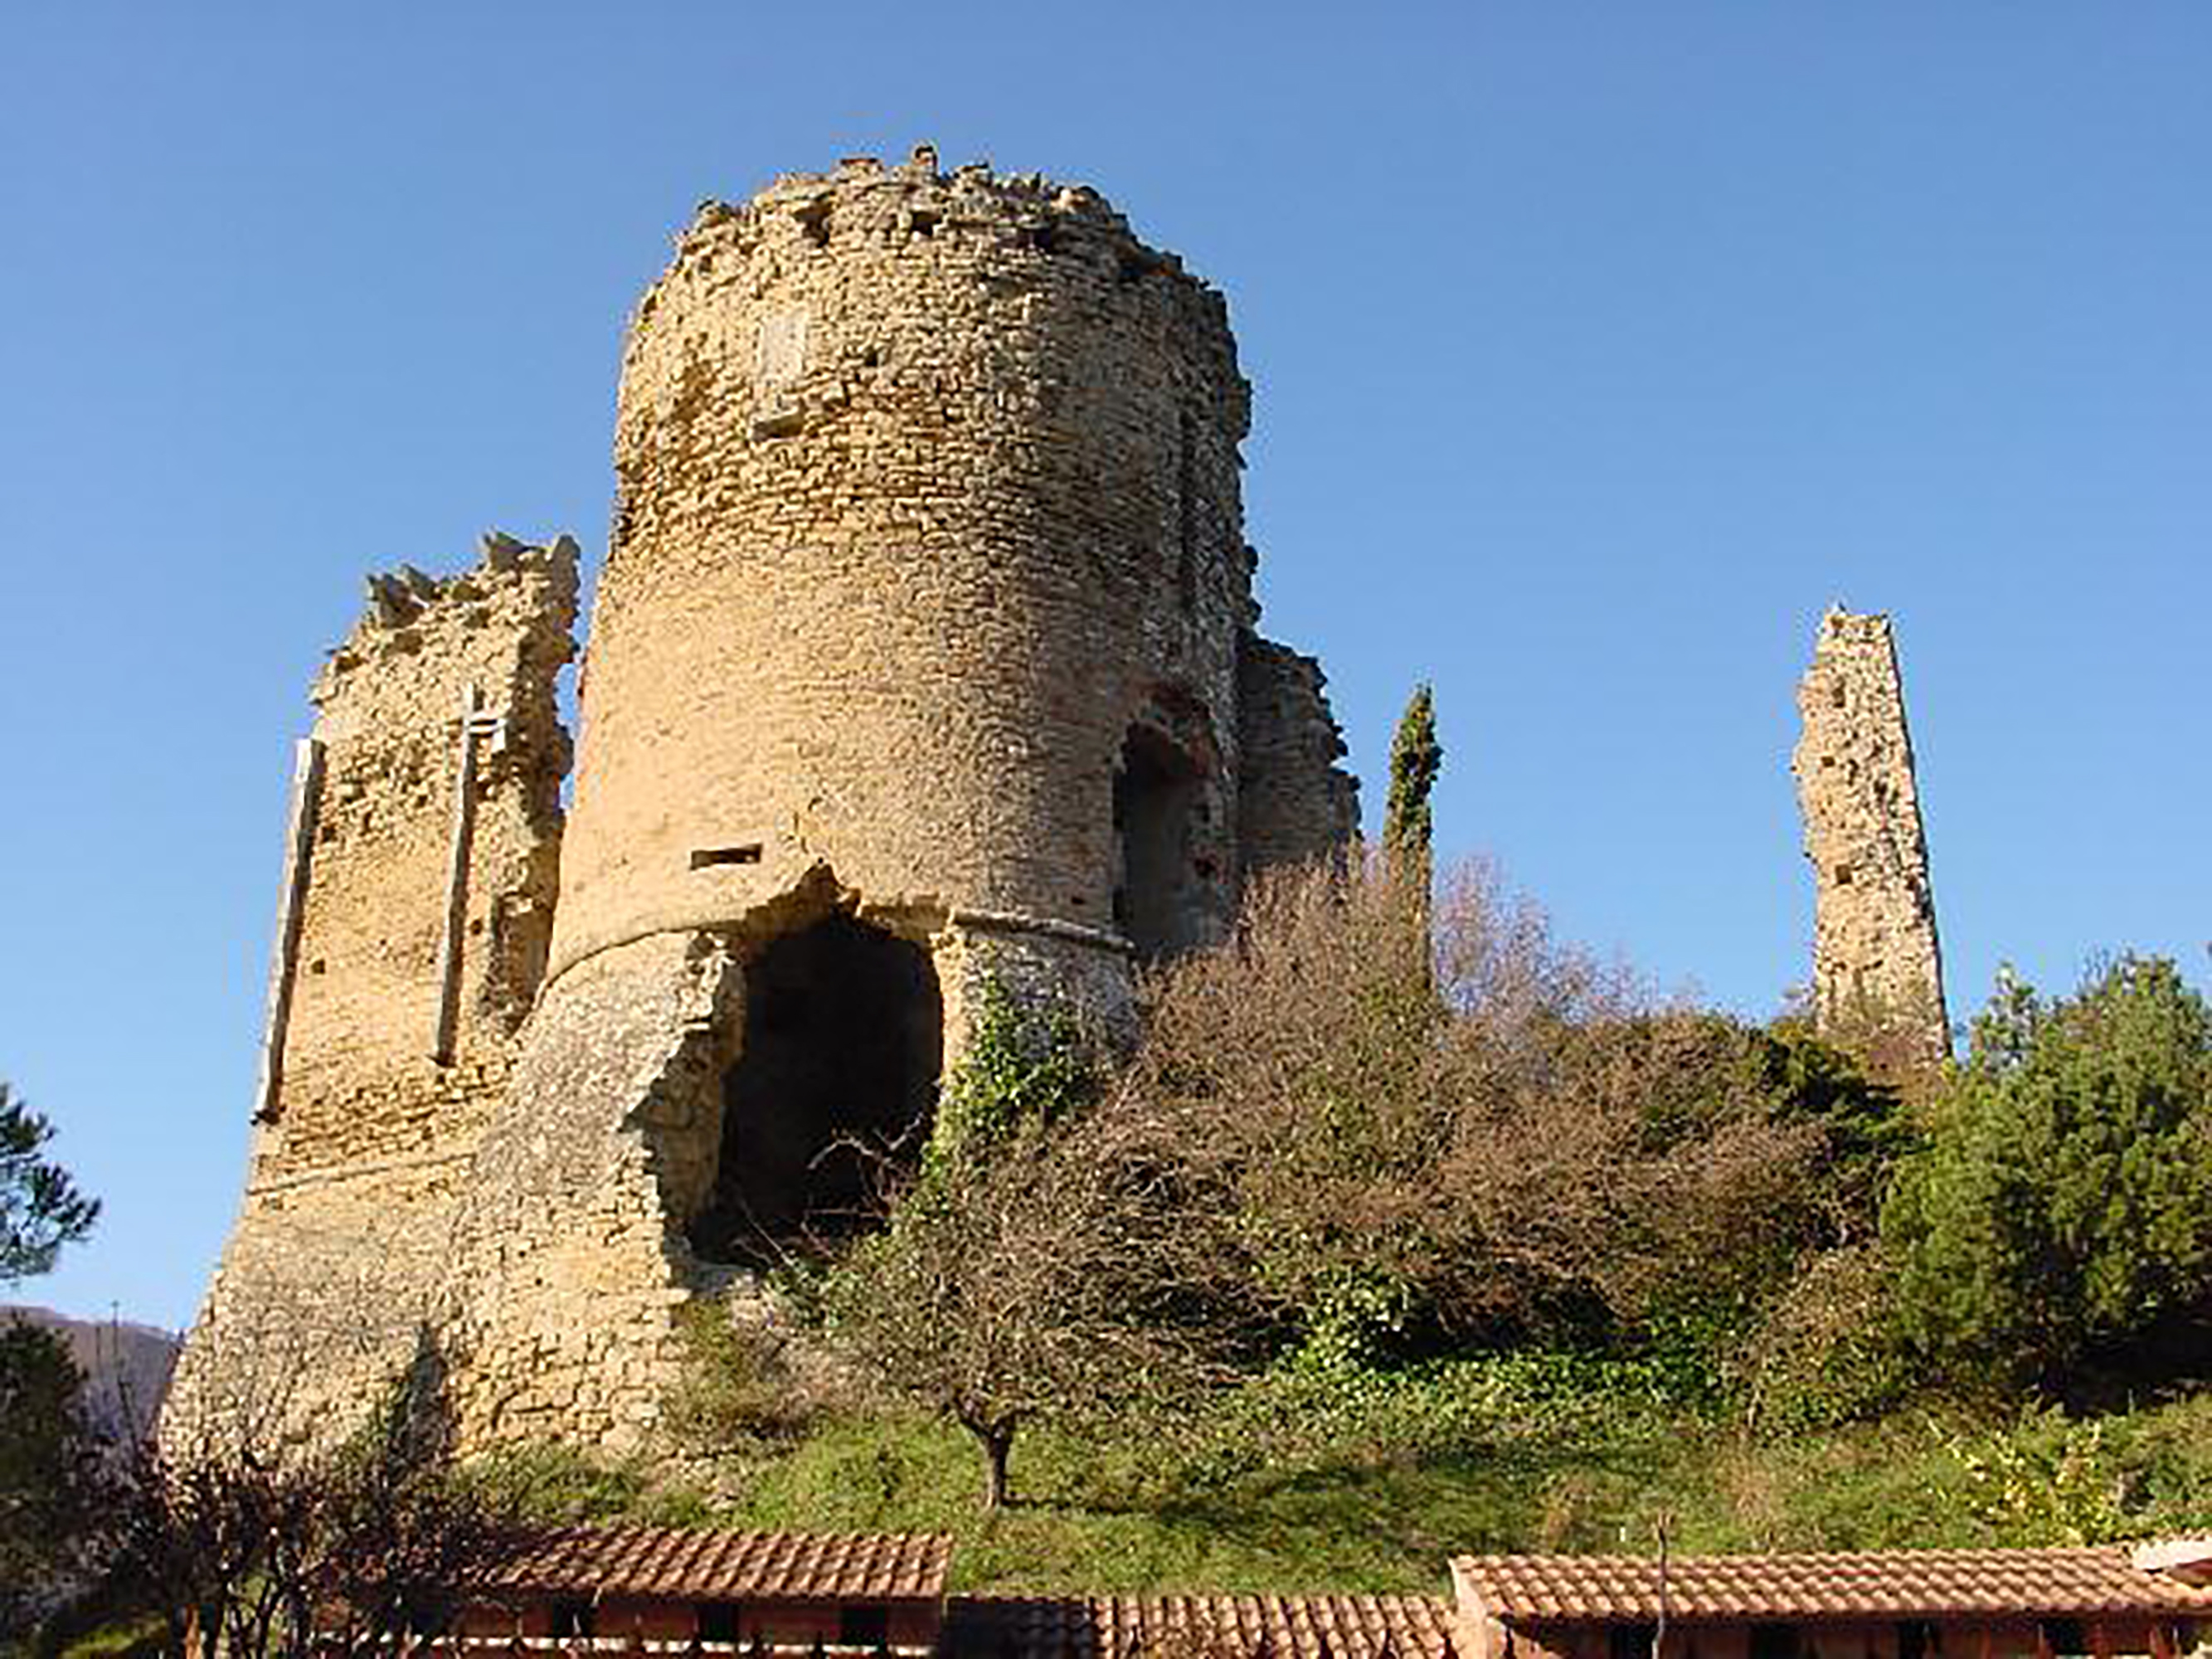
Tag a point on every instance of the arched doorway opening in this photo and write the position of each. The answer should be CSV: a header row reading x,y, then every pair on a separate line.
x,y
843,1040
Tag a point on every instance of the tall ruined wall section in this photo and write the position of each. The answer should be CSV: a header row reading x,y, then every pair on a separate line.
x,y
416,923
1294,803
1876,957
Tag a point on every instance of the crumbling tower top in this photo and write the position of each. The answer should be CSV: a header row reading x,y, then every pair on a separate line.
x,y
1876,964
928,536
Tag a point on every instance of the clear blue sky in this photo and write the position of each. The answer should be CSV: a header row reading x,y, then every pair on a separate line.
x,y
1597,349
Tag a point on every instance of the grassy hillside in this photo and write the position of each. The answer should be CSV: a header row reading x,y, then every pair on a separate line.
x,y
1166,1511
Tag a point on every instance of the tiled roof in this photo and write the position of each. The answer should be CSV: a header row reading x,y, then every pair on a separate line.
x,y
685,1564
1879,1583
1201,1627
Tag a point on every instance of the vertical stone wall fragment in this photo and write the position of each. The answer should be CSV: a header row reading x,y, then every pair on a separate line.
x,y
1296,803
1876,957
365,1138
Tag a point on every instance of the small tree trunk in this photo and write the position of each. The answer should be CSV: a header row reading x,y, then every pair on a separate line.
x,y
996,1441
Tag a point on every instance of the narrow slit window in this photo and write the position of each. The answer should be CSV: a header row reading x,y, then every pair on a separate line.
x,y
706,858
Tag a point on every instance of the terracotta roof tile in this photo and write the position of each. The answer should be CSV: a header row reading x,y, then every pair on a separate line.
x,y
1199,1628
1880,1583
686,1563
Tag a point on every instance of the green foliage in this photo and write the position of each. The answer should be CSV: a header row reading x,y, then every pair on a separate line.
x,y
562,1485
1023,1068
1822,1352
2057,1229
1416,760
1862,1119
1034,1270
53,1489
40,1208
2044,1481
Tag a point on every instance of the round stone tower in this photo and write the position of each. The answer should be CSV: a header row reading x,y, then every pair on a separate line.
x,y
923,656
927,532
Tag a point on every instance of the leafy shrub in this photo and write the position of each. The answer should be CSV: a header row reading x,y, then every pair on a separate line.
x,y
1482,1138
2055,1231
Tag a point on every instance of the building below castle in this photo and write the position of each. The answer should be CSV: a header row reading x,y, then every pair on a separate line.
x,y
646,1588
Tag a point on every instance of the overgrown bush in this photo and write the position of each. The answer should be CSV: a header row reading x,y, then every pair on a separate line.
x,y
1501,1142
740,1388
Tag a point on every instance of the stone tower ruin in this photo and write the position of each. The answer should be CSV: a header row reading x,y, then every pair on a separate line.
x,y
924,654
1875,961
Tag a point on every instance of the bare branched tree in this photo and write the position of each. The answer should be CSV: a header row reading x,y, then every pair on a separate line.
x,y
1051,1260
251,1541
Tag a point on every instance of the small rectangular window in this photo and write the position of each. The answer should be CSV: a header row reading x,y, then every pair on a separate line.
x,y
704,858
1776,1642
1629,1641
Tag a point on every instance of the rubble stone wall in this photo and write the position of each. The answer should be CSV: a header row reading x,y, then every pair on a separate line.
x,y
1876,957
1294,802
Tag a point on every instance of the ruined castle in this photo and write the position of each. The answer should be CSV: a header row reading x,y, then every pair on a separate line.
x,y
924,651
924,656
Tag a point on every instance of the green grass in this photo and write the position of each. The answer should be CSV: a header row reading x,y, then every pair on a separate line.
x,y
1378,1508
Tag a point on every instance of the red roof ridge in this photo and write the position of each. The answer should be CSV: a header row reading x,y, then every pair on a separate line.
x,y
721,1563
2052,1578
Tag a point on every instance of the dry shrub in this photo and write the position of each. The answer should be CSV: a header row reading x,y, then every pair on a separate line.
x,y
1504,1135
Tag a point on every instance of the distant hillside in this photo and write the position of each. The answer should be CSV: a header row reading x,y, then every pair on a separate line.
x,y
127,1366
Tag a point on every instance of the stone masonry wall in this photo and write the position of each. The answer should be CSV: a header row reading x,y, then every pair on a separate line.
x,y
1294,803
1876,957
362,1147
359,1080
928,493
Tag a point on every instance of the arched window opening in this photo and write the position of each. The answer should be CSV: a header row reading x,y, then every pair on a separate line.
x,y
1159,800
843,1040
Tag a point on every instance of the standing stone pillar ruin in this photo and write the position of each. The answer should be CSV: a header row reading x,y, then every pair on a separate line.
x,y
1877,968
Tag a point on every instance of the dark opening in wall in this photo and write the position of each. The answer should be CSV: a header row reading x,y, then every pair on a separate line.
x,y
844,1034
574,1619
705,858
721,1622
863,1627
1156,800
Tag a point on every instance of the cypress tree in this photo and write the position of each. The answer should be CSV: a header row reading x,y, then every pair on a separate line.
x,y
1416,757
